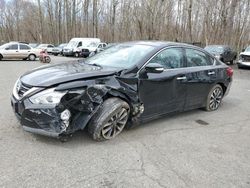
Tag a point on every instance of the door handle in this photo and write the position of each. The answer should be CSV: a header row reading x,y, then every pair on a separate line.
x,y
211,73
181,78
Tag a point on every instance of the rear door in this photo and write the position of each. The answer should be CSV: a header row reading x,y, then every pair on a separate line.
x,y
201,75
24,50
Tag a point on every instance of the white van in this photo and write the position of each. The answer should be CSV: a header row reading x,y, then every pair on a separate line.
x,y
75,43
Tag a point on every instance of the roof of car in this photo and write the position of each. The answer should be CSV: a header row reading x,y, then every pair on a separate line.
x,y
224,46
158,43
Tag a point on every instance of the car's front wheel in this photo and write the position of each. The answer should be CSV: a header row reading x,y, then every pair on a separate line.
x,y
110,119
214,98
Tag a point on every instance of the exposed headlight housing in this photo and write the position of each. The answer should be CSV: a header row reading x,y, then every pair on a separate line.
x,y
49,96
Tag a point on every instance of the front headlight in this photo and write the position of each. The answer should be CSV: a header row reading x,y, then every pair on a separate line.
x,y
218,56
49,96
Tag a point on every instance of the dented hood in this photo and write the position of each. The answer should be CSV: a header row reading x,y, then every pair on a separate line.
x,y
52,75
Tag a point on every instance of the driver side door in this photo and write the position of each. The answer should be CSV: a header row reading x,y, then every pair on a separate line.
x,y
164,92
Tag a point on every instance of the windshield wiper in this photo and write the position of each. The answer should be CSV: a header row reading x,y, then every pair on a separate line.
x,y
96,65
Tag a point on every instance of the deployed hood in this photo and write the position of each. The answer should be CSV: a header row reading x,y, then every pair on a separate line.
x,y
51,75
245,53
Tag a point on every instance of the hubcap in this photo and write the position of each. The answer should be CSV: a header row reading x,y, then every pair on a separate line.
x,y
32,57
115,125
215,99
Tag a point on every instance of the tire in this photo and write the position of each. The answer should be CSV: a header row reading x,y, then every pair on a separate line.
x,y
55,54
1,57
76,54
32,57
214,98
109,120
47,59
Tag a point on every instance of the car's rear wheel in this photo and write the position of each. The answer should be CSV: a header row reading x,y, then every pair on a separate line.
x,y
76,54
32,57
214,98
110,119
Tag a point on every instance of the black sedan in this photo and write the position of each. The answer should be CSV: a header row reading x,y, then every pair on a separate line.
x,y
223,53
125,85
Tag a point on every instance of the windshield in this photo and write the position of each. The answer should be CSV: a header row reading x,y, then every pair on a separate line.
x,y
215,49
120,56
72,44
247,49
62,45
42,46
4,46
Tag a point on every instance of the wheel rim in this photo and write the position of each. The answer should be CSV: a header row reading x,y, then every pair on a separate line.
x,y
115,125
215,98
32,57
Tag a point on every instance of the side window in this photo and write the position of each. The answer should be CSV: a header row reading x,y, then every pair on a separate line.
x,y
24,47
79,44
13,47
104,45
99,46
171,58
197,58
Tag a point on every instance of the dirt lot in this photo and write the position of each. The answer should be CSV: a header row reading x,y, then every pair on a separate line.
x,y
176,151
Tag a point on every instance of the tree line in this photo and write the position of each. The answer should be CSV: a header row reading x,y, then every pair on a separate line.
x,y
57,21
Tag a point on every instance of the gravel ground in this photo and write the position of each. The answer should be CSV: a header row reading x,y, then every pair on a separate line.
x,y
176,151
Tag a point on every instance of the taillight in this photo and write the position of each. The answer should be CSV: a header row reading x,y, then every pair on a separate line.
x,y
230,71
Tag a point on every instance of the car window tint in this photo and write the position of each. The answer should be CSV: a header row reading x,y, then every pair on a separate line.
x,y
100,46
24,47
197,58
79,44
13,47
171,58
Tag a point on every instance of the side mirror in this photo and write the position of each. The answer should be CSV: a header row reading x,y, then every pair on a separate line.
x,y
243,50
154,68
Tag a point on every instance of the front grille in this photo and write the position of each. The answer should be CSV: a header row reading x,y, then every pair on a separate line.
x,y
85,50
245,57
22,90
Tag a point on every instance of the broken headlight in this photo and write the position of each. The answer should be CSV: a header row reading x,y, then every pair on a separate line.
x,y
49,96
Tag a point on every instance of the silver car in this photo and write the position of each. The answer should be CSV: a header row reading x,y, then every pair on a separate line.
x,y
47,47
15,50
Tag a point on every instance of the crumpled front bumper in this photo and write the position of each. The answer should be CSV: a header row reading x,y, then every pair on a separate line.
x,y
39,119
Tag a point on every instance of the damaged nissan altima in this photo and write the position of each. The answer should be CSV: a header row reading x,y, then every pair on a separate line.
x,y
125,85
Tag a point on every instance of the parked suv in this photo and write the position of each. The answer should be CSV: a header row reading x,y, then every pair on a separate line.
x,y
47,47
223,53
92,48
59,49
15,50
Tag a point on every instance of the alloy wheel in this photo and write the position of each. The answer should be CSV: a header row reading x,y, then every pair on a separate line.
x,y
215,98
115,125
